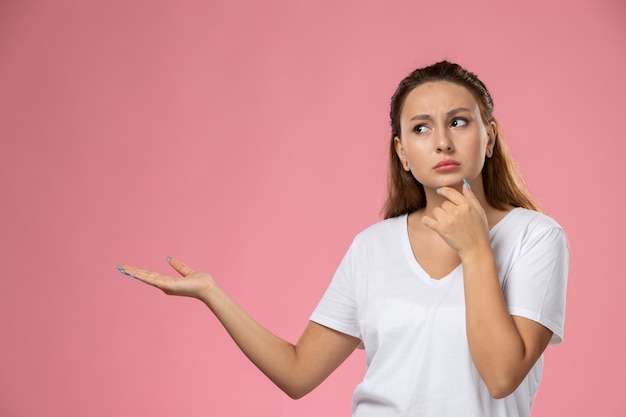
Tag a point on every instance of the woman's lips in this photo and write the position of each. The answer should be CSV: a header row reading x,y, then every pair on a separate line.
x,y
446,165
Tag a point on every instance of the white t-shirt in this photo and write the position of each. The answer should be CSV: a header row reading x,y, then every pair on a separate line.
x,y
413,327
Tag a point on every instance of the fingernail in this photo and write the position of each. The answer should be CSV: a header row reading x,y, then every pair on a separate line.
x,y
168,259
132,276
119,268
437,189
466,184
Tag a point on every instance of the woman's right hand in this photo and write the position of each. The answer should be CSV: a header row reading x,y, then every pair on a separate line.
x,y
296,369
191,283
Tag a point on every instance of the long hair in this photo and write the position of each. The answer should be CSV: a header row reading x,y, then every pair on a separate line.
x,y
502,181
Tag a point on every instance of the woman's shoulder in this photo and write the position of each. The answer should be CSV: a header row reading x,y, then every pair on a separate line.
x,y
383,229
531,219
525,230
526,225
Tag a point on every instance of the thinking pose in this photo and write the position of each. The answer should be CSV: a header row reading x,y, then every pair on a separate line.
x,y
454,296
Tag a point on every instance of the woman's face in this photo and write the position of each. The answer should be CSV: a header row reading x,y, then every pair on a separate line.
x,y
443,138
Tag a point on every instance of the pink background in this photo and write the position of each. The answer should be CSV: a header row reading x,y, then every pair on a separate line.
x,y
249,139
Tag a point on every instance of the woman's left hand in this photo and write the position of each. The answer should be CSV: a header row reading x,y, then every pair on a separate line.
x,y
460,221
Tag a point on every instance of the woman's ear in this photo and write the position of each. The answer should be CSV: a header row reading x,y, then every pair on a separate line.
x,y
400,152
492,132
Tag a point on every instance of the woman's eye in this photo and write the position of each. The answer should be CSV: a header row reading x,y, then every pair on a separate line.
x,y
420,129
458,122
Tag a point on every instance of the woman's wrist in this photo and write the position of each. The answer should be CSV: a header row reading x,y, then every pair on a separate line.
x,y
476,255
209,294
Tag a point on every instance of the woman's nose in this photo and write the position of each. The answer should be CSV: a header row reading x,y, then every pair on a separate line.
x,y
442,141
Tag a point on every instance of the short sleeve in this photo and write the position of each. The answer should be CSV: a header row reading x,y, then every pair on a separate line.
x,y
535,286
338,307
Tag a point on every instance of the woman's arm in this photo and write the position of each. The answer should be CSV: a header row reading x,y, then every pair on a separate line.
x,y
503,347
295,369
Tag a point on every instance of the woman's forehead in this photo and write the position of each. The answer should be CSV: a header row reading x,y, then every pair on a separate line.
x,y
435,95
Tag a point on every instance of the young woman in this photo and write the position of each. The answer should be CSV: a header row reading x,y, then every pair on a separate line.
x,y
454,296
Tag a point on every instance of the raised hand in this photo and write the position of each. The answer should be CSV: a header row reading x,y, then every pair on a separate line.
x,y
296,369
460,221
191,283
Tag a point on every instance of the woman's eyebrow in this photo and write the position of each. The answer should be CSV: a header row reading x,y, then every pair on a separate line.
x,y
450,113
421,117
459,110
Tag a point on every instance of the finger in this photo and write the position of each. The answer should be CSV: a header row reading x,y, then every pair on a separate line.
x,y
439,214
430,223
135,272
446,207
467,191
471,197
179,266
451,194
130,270
162,282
